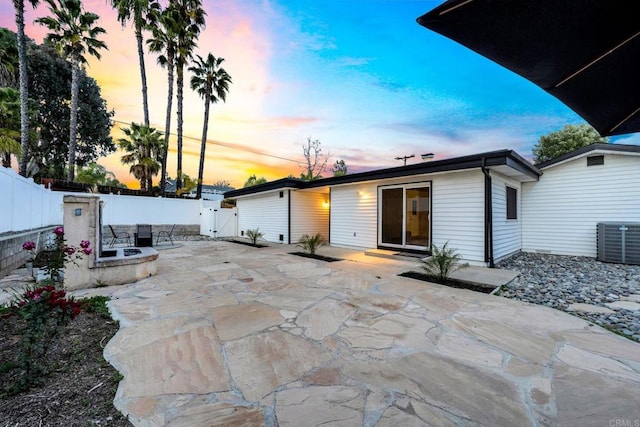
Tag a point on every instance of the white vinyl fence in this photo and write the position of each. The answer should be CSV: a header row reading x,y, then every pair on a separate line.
x,y
218,222
25,205
117,209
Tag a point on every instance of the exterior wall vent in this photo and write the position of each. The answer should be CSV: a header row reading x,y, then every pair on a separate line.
x,y
595,160
619,242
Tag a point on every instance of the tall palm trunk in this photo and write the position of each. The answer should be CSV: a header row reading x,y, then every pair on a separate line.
x,y
149,177
24,91
73,122
143,75
203,145
180,84
167,124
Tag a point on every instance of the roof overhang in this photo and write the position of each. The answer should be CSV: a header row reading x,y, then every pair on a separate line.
x,y
507,162
277,185
590,150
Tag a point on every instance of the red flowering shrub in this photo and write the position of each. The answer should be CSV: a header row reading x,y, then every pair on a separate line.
x,y
54,300
45,310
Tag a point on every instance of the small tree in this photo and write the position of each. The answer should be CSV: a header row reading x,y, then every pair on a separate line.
x,y
188,184
253,180
254,235
315,161
311,244
564,141
143,147
223,183
98,175
442,262
339,168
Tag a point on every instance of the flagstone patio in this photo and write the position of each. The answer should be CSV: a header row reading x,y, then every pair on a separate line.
x,y
231,335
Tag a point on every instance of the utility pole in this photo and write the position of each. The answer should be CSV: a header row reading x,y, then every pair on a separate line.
x,y
404,158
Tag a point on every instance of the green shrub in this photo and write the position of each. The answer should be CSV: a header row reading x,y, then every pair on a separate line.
x,y
97,304
311,243
442,262
254,235
44,311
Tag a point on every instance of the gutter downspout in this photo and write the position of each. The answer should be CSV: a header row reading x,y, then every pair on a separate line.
x,y
289,217
488,216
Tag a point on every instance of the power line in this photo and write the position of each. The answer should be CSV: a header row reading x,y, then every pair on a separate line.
x,y
227,145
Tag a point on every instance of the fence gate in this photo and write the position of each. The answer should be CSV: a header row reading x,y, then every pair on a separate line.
x,y
218,222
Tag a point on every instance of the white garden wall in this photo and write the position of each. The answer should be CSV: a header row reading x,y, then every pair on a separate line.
x,y
118,209
25,205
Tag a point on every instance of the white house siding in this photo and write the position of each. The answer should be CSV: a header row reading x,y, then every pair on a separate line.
x,y
309,214
458,213
354,215
507,233
268,212
561,211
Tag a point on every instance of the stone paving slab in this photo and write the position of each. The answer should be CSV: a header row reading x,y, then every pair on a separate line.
x,y
625,305
231,335
589,308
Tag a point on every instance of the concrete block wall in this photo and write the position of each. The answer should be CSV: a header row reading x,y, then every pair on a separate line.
x,y
12,256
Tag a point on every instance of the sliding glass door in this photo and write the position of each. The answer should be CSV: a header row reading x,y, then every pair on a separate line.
x,y
404,216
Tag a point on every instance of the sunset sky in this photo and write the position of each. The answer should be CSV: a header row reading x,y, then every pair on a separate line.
x,y
360,76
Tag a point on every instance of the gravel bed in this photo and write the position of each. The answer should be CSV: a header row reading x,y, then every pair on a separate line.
x,y
558,281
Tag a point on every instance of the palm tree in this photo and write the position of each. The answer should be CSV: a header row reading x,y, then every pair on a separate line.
x,y
144,147
190,18
136,10
212,83
24,91
164,42
74,34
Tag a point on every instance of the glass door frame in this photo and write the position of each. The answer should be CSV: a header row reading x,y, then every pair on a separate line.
x,y
404,187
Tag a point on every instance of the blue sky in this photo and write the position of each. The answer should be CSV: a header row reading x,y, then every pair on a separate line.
x,y
360,76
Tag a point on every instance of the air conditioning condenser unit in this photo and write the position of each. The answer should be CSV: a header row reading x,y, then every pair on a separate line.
x,y
619,242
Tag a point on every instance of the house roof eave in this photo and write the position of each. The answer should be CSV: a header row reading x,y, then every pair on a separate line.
x,y
525,171
279,184
596,147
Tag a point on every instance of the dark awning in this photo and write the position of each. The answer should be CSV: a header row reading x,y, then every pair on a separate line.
x,y
586,53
